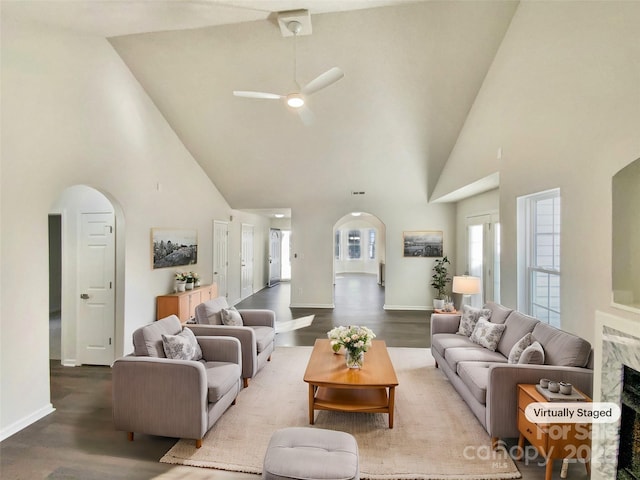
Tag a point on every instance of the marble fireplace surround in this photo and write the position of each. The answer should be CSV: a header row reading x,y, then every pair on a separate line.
x,y
617,343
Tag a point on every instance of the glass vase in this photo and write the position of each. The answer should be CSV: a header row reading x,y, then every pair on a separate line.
x,y
354,359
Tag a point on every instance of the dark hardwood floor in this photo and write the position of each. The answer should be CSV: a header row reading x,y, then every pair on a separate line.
x,y
78,440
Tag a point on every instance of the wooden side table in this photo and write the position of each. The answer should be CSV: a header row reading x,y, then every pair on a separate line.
x,y
453,312
552,440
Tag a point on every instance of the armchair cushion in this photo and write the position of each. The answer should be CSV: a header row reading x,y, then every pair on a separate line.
x,y
147,340
221,377
264,337
212,308
231,317
182,346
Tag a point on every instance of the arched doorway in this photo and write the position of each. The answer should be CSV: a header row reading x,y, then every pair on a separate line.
x,y
359,254
86,233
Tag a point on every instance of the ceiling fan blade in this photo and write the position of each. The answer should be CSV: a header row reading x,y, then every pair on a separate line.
x,y
250,94
306,115
323,80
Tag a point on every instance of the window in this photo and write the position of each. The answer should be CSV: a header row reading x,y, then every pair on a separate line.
x,y
354,244
372,244
337,245
540,273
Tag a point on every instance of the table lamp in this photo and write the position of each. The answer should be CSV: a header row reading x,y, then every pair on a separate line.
x,y
465,285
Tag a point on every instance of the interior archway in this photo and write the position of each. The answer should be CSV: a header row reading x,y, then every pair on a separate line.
x,y
69,207
359,247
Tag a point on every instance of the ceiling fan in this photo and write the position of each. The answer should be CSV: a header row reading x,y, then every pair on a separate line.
x,y
297,99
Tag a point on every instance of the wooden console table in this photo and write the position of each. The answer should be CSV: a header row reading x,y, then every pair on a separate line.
x,y
183,304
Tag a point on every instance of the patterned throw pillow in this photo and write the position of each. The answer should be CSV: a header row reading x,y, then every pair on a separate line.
x,y
533,355
487,334
183,346
231,317
518,348
469,318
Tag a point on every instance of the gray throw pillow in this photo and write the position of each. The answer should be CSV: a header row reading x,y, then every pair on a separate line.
x,y
469,318
231,317
519,347
533,354
487,334
183,346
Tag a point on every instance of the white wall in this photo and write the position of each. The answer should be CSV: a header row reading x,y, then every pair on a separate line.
x,y
73,114
562,100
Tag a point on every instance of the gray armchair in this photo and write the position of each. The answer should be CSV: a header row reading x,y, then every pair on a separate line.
x,y
257,334
156,395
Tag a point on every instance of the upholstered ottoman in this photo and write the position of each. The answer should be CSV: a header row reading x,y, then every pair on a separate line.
x,y
302,453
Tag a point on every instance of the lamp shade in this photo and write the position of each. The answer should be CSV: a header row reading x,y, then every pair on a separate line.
x,y
466,285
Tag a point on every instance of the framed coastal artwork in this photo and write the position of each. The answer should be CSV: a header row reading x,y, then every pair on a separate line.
x,y
173,247
424,243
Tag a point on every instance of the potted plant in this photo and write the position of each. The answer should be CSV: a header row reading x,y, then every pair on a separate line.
x,y
439,281
181,281
190,281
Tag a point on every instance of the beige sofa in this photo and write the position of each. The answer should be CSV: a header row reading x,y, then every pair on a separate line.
x,y
487,381
257,333
160,396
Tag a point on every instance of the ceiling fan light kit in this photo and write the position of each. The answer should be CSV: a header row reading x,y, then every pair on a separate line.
x,y
294,23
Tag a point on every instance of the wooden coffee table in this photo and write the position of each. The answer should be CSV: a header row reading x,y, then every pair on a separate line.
x,y
333,386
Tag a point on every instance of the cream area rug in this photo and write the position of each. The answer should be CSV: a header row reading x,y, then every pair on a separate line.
x,y
435,435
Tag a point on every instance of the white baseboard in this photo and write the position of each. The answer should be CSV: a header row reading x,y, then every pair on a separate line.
x,y
312,305
419,308
26,421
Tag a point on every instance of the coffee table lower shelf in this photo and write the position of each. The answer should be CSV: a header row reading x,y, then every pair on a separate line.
x,y
369,400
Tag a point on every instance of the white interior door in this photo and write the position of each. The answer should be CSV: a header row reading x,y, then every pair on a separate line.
x,y
246,262
275,256
221,256
96,276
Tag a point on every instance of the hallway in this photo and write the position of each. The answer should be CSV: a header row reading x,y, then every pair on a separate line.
x,y
359,300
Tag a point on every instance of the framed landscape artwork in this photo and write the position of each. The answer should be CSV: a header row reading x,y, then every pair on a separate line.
x,y
173,247
427,243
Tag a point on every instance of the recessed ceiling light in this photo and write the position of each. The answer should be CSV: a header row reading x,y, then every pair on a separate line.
x,y
356,214
279,215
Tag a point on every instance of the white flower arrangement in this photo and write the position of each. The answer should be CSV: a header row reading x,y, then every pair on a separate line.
x,y
354,338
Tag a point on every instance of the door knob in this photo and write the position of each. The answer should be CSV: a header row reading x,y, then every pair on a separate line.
x,y
84,296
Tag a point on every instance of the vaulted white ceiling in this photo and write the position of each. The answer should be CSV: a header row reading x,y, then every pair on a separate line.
x,y
412,71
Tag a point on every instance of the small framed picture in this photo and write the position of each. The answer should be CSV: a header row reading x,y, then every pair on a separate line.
x,y
426,243
172,247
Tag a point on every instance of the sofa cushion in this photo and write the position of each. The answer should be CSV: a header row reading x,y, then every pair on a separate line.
x,y
475,376
147,340
221,377
231,317
518,348
442,341
533,355
487,334
212,309
469,318
264,337
518,325
499,313
562,348
462,354
182,346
